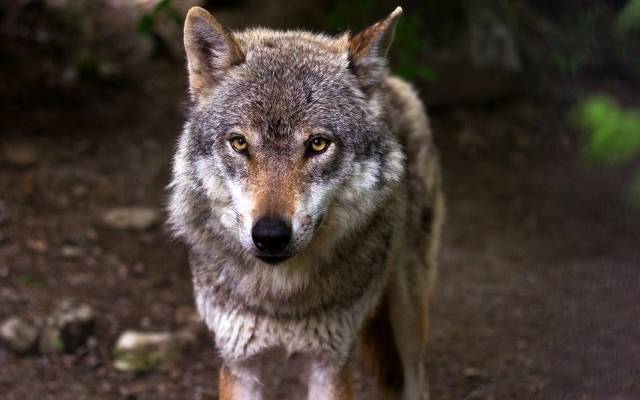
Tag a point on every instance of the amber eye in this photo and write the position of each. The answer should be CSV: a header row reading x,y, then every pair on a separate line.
x,y
318,145
239,143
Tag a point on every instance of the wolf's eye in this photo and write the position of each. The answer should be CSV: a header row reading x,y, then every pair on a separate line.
x,y
318,145
239,143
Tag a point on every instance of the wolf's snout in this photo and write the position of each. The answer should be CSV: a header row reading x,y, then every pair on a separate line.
x,y
271,235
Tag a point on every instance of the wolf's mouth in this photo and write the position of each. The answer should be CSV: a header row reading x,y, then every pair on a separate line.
x,y
273,259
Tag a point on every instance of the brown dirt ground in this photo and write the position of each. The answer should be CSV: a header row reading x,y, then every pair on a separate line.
x,y
538,290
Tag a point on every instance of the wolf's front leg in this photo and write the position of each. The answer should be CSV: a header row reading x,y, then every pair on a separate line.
x,y
238,384
329,382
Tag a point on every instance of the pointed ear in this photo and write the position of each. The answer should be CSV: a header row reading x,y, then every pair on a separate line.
x,y
211,50
368,49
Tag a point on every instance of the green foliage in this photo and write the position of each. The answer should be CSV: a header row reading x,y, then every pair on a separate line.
x,y
629,19
613,134
408,44
579,45
345,13
88,66
599,36
147,23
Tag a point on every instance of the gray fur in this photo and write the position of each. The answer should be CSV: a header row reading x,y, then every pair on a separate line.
x,y
364,209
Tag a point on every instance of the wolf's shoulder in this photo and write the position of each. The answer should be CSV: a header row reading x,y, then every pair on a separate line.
x,y
407,114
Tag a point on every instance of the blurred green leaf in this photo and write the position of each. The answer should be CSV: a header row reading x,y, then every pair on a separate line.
x,y
427,73
613,134
579,47
146,24
407,47
88,66
629,18
410,71
345,13
162,5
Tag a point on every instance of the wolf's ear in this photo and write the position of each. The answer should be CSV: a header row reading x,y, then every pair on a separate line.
x,y
368,49
211,50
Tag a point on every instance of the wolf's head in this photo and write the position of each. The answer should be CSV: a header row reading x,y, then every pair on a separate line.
x,y
287,136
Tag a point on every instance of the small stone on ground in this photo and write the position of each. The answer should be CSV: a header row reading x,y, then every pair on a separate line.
x,y
134,218
19,335
144,351
21,154
67,328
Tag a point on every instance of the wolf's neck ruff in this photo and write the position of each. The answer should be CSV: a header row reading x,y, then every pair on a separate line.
x,y
242,334
322,314
307,284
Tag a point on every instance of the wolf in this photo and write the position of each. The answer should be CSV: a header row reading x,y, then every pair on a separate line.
x,y
307,188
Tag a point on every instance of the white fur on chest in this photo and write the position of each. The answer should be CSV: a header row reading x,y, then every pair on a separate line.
x,y
240,335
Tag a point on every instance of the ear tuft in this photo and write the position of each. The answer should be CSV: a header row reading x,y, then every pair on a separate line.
x,y
211,50
397,12
368,49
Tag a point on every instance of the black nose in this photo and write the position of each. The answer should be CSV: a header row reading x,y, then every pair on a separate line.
x,y
271,235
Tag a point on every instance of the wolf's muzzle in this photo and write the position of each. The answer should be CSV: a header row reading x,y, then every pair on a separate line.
x,y
271,235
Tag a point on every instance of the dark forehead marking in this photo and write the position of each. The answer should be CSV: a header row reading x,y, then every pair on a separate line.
x,y
282,97
275,127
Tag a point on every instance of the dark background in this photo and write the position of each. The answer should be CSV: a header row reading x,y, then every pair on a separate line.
x,y
534,105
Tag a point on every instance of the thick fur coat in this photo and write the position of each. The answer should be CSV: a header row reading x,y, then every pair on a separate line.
x,y
362,214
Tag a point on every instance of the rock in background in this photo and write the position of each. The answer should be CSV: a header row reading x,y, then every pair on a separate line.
x,y
137,351
67,328
133,218
19,335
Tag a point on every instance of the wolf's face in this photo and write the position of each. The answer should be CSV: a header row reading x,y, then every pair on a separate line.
x,y
287,135
283,132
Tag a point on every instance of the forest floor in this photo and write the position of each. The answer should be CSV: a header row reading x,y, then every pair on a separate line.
x,y
539,281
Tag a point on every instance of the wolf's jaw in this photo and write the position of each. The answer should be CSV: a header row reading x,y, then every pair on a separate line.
x,y
273,260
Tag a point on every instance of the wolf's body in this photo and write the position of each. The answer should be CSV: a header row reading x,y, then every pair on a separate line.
x,y
364,214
